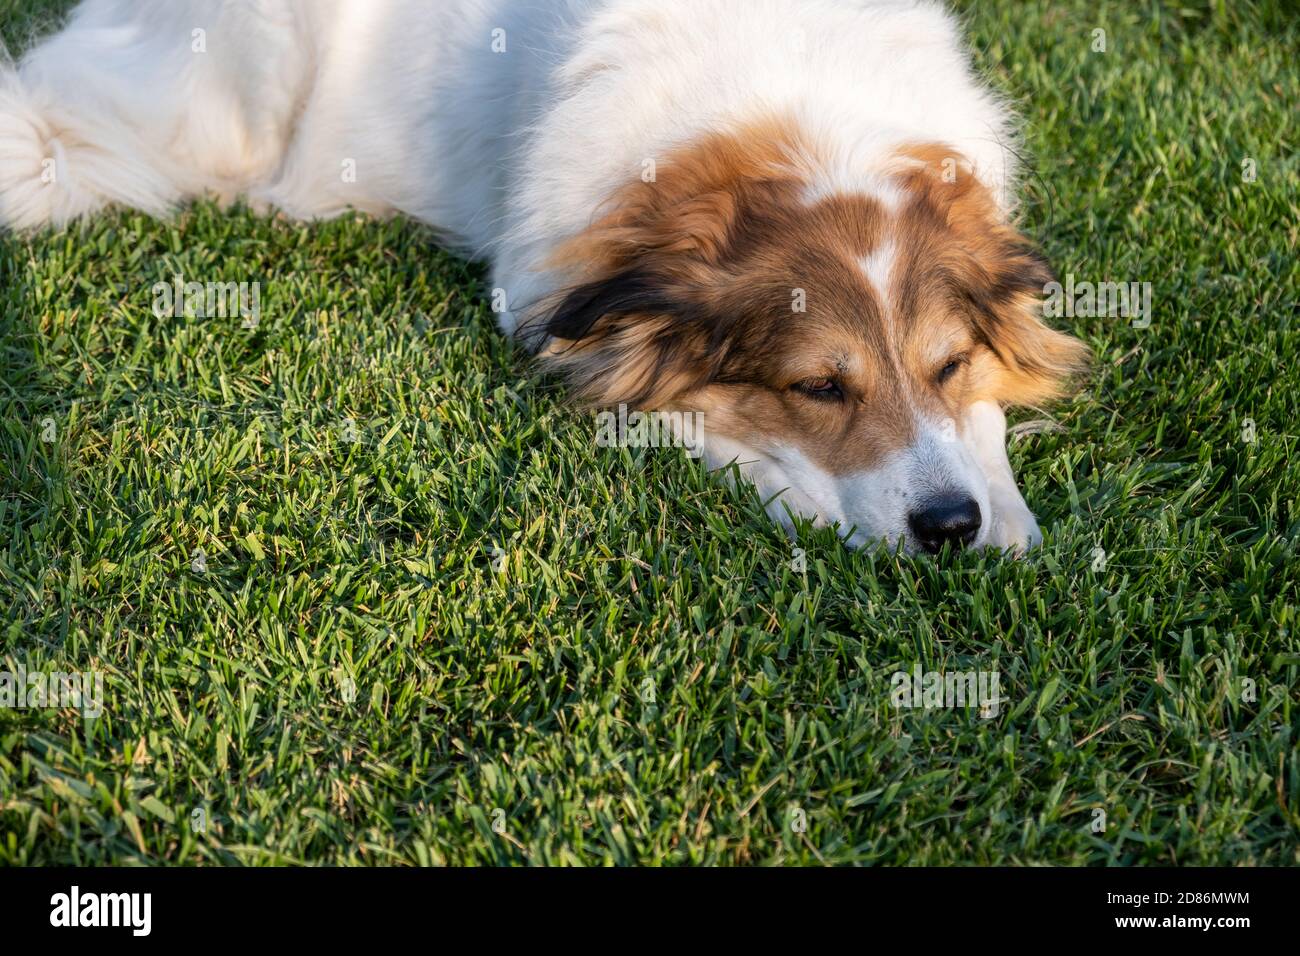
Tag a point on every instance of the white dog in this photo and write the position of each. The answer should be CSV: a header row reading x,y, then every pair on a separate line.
x,y
789,215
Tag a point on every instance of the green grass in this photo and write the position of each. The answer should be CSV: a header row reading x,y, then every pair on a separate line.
x,y
629,575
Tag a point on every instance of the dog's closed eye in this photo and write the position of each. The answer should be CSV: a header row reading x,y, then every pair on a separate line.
x,y
822,389
953,366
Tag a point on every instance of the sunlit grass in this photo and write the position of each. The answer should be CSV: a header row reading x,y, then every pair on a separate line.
x,y
428,604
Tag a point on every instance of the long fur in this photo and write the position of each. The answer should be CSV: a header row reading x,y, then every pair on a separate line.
x,y
647,177
502,124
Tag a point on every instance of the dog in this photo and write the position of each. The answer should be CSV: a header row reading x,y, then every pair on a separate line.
x,y
793,217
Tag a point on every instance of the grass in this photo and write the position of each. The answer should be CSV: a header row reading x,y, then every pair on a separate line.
x,y
606,654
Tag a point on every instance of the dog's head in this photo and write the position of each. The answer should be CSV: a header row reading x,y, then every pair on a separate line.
x,y
832,341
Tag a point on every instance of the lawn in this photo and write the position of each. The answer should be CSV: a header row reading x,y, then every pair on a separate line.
x,y
362,590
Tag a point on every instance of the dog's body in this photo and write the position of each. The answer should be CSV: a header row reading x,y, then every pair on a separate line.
x,y
790,215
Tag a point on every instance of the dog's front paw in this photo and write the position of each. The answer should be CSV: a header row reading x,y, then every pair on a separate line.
x,y
1013,526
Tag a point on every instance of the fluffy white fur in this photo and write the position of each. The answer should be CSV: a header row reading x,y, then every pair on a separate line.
x,y
503,124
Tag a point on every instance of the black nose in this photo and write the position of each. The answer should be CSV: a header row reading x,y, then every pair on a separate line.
x,y
955,519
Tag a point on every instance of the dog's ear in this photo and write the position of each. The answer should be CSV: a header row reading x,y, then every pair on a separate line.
x,y
1005,292
645,326
998,275
592,309
630,338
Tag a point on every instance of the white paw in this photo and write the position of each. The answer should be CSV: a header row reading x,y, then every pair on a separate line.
x,y
1013,525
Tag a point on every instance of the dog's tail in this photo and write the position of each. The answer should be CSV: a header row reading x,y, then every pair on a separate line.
x,y
58,162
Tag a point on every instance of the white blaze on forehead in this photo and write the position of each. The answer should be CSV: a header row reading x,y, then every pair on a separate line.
x,y
878,267
830,184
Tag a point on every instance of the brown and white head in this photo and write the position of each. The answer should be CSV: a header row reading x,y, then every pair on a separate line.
x,y
850,351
